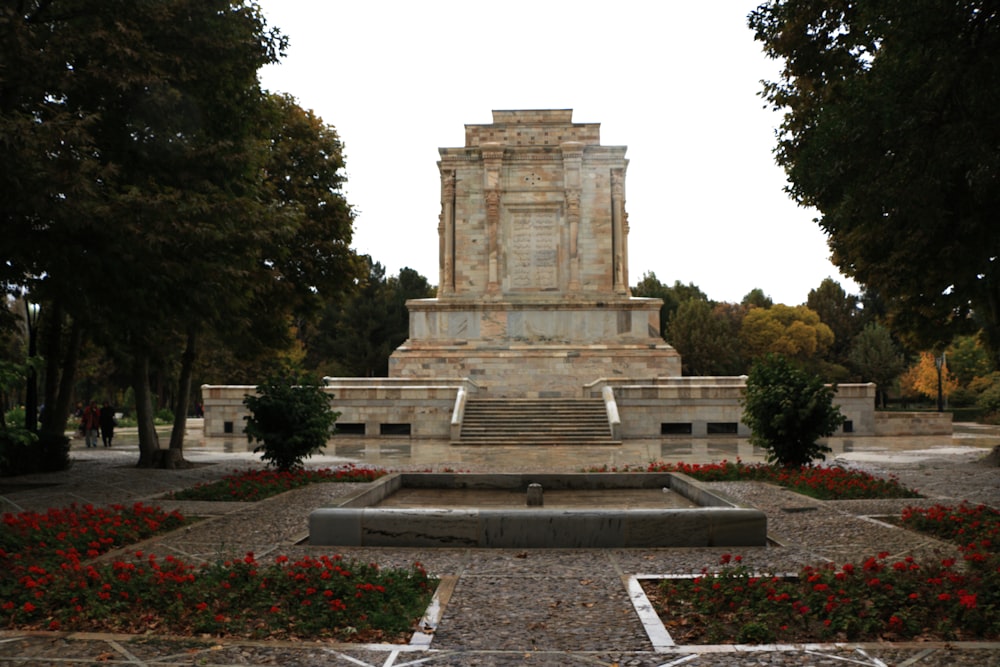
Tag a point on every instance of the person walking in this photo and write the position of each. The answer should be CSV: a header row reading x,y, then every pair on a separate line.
x,y
90,423
107,423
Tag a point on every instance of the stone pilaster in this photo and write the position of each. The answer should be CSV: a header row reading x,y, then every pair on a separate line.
x,y
572,162
446,229
492,162
618,230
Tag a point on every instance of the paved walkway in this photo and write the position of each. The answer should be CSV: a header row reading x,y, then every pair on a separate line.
x,y
510,607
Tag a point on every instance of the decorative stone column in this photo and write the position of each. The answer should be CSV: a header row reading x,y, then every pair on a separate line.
x,y
572,160
446,229
618,229
492,163
625,231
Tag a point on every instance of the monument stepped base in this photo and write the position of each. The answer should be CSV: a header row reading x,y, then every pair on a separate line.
x,y
534,346
533,371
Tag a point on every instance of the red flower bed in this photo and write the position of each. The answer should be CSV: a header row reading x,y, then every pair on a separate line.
x,y
825,483
47,583
877,599
251,485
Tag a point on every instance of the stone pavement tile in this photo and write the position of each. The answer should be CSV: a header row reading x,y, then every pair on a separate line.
x,y
542,612
60,650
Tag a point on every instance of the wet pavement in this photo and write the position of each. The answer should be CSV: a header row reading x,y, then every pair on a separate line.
x,y
415,454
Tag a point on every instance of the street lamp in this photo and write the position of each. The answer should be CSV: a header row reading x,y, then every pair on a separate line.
x,y
31,394
941,363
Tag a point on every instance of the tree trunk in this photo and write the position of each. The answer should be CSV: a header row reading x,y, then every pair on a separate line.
x,y
176,453
59,377
149,443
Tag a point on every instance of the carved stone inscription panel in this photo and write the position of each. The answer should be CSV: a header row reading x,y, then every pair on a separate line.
x,y
533,249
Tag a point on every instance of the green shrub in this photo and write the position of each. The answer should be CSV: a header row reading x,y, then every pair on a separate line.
x,y
15,416
962,397
788,411
989,400
164,416
291,417
19,453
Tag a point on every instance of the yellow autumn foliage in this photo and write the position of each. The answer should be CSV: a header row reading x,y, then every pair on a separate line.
x,y
922,378
793,331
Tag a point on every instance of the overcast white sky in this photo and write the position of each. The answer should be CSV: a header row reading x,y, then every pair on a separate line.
x,y
676,82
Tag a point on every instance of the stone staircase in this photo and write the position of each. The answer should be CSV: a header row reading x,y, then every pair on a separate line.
x,y
535,421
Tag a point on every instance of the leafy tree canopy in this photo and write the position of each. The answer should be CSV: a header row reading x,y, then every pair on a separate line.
x,y
705,338
968,359
875,356
672,296
925,377
892,131
793,331
150,190
756,298
359,332
838,310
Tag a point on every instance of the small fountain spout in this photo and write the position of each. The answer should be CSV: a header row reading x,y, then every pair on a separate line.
x,y
535,495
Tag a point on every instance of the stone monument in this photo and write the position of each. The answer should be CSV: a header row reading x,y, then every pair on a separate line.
x,y
533,303
533,297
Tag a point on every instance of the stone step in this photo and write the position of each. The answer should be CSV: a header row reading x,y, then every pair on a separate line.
x,y
535,422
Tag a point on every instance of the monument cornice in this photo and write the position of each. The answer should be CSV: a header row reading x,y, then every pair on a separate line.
x,y
515,301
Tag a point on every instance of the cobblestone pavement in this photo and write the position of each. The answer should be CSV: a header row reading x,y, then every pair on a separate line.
x,y
501,606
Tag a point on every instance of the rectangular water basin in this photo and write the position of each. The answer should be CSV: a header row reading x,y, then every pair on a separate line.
x,y
715,521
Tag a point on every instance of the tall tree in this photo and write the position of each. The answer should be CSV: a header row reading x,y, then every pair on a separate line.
x,y
968,360
892,131
875,356
358,334
304,252
929,376
795,332
705,339
144,213
756,298
840,311
672,297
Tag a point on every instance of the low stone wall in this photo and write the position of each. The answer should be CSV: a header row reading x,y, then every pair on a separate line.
x,y
368,407
695,407
913,423
705,406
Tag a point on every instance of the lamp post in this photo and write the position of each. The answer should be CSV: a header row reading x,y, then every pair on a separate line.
x,y
941,364
31,394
